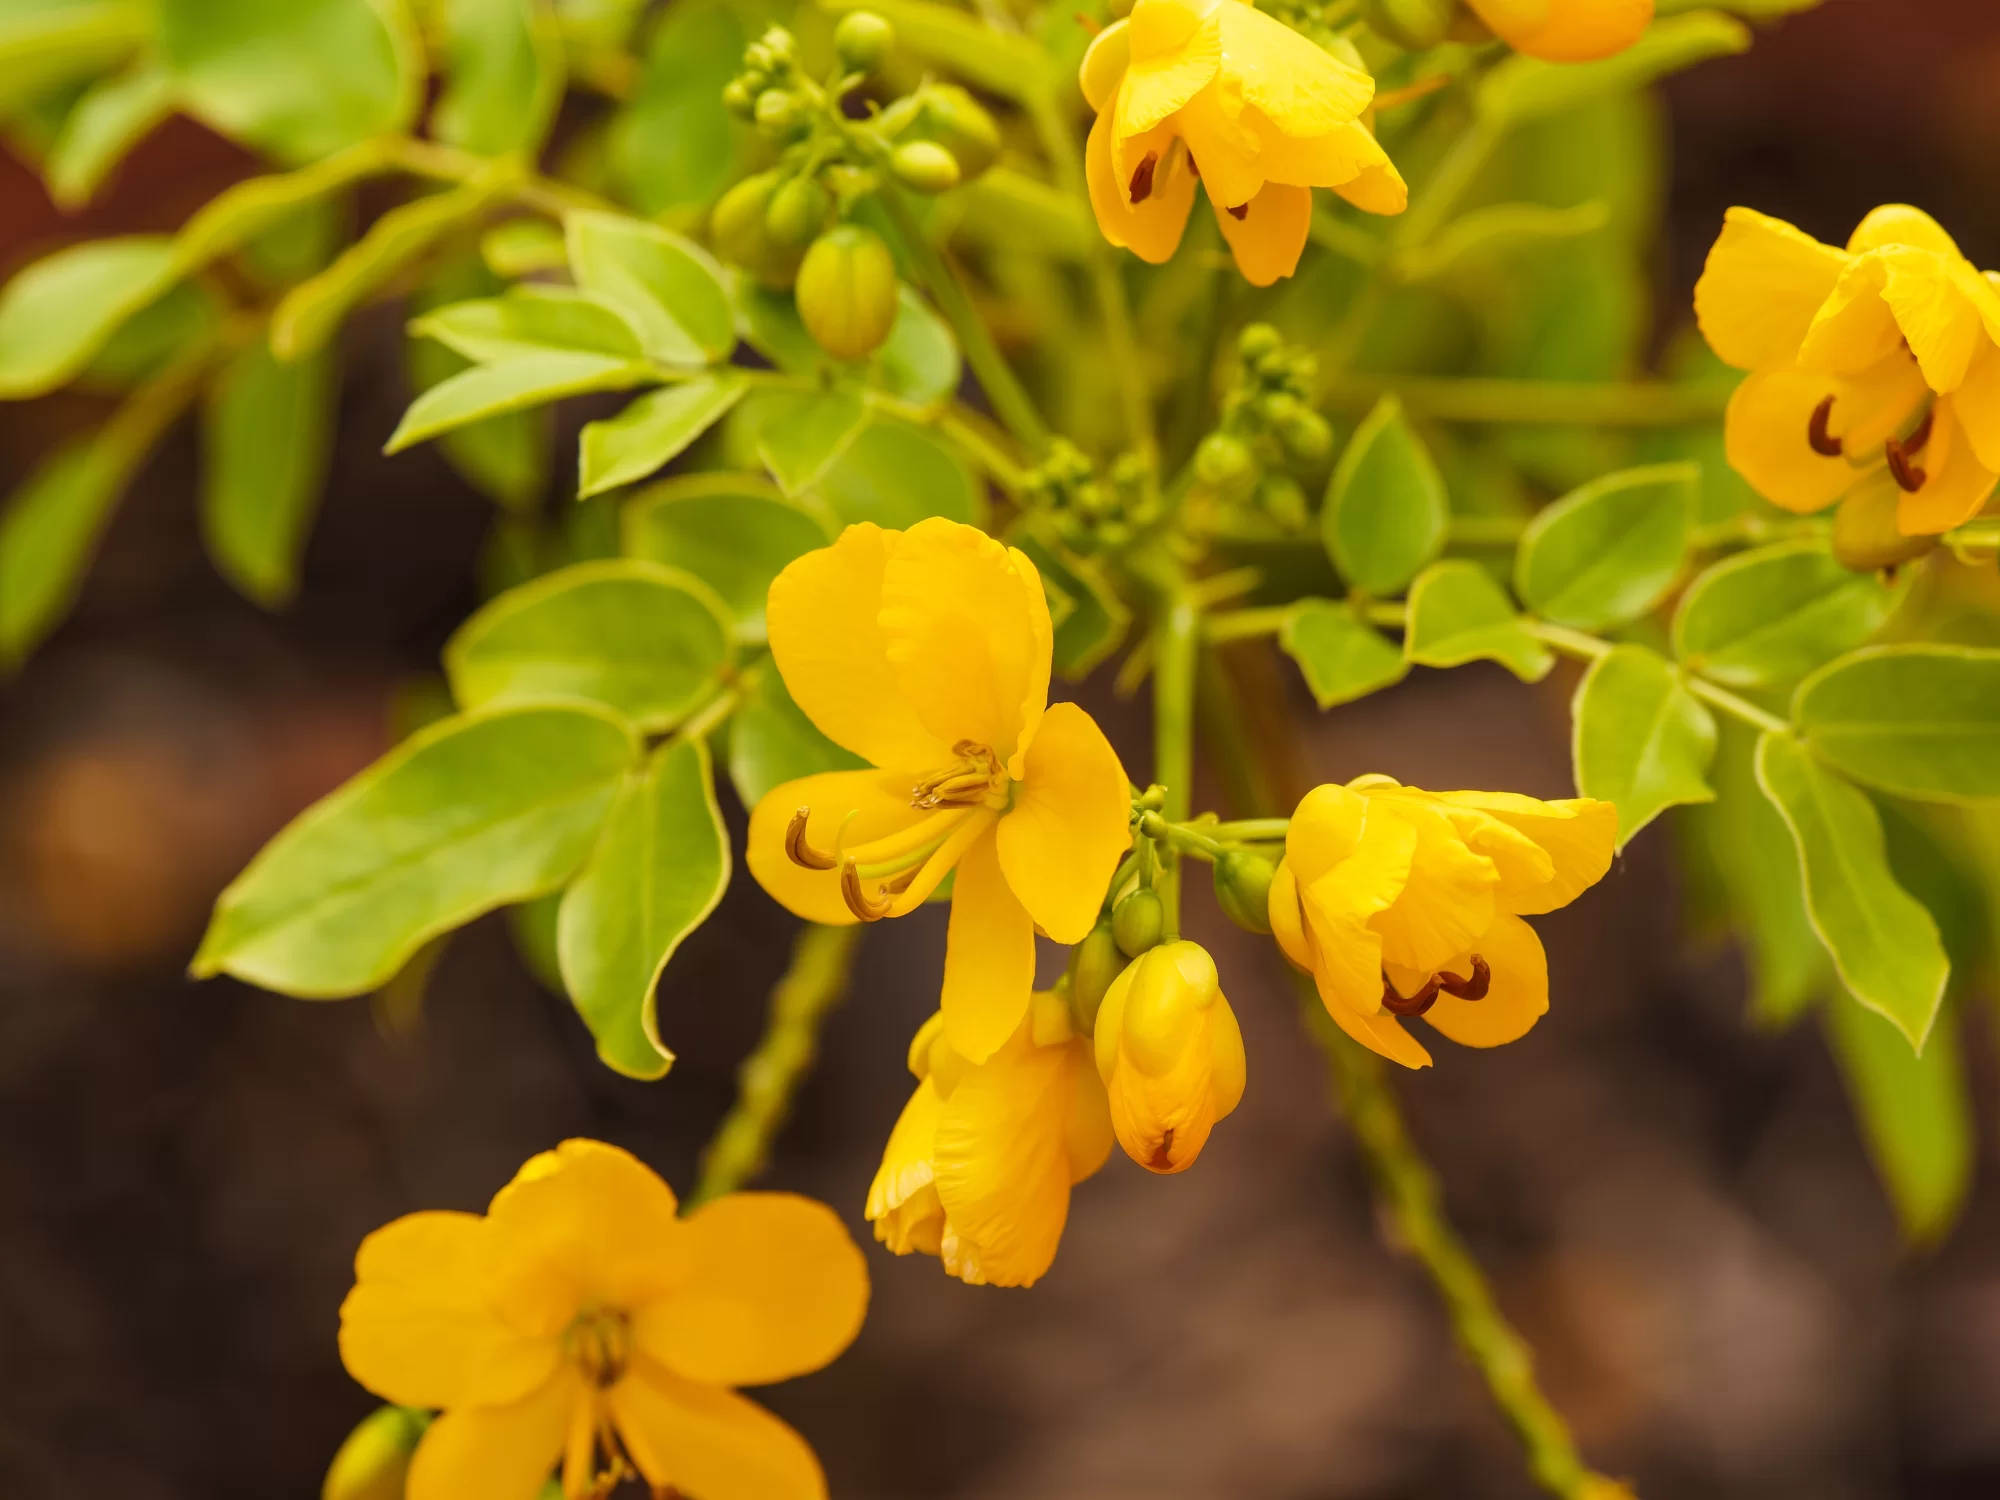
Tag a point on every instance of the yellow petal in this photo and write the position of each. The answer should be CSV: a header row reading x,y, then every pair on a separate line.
x,y
1761,288
1300,87
417,1329
777,1289
989,957
1579,834
1226,151
584,1223
1956,484
1268,240
1340,907
1449,898
1765,435
849,808
1325,827
1088,1137
902,1201
1069,826
709,1444
1287,920
1176,49
822,615
1977,405
1854,327
1382,1033
1900,224
1567,30
495,1452
966,627
1104,63
1151,228
1516,998
1937,319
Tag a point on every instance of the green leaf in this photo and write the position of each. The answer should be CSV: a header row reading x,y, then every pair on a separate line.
x,y
1003,63
919,361
896,474
258,205
654,429
269,437
771,742
504,76
298,80
1522,88
674,146
1459,614
1883,941
480,811
175,325
488,390
44,47
528,320
1609,551
772,326
735,532
47,534
666,287
60,311
1919,721
523,247
798,434
645,640
1384,516
112,117
1641,740
506,458
659,870
1915,1114
1342,657
533,924
1773,614
1094,620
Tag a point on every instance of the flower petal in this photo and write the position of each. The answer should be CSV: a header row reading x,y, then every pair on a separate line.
x,y
966,626
1382,1033
1104,63
902,1201
1325,827
1761,288
1176,50
1977,405
1449,898
1069,826
1517,997
1853,328
1566,31
1900,224
1151,228
1088,1137
825,637
1340,907
1937,318
1268,240
989,957
1288,923
1579,834
1956,485
1765,436
417,1329
495,1452
1301,87
1227,152
849,808
710,1444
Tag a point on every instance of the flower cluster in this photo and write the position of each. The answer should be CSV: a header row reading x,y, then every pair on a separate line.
x,y
1267,421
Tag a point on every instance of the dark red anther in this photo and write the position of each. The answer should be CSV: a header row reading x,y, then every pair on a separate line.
x,y
1240,212
1909,477
1474,988
1142,177
1914,443
1823,442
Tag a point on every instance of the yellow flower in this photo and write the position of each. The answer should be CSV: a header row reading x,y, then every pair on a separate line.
x,y
926,652
1409,903
1217,90
1871,366
1566,30
1170,1054
979,1167
582,1320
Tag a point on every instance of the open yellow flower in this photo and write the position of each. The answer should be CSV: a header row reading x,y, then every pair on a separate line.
x,y
1402,902
1566,30
1170,1053
1870,366
582,1321
980,1164
1218,91
926,652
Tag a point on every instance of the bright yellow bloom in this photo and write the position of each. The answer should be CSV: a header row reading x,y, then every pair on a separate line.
x,y
1566,30
979,1167
1876,365
1409,903
1170,1054
1217,90
926,653
582,1320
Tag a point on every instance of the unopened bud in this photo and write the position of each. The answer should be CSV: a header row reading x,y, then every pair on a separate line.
x,y
1138,921
1093,965
797,211
1243,888
780,113
962,125
846,291
374,1460
739,99
1223,461
1171,1055
862,40
1413,24
925,166
1866,537
1307,435
1283,501
737,230
1257,341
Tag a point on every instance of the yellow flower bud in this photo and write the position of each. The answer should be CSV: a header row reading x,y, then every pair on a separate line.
x,y
1566,30
925,166
1170,1054
372,1462
847,291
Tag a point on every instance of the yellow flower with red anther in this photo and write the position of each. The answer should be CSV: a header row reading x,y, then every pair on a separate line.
x,y
1566,30
582,1322
926,652
1874,367
1218,92
1403,903
1170,1053
979,1167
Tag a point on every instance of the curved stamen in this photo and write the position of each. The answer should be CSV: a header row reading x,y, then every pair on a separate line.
x,y
1142,177
1239,213
798,850
1471,988
905,845
856,899
1823,442
1920,434
1910,477
1474,988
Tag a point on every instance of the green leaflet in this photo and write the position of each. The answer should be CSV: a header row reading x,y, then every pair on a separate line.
x,y
896,474
1640,739
529,320
504,76
1384,516
479,811
797,435
44,47
1773,614
653,430
63,309
112,117
919,360
648,642
735,532
1919,721
1343,658
666,287
771,742
514,385
673,146
659,869
1457,614
1608,551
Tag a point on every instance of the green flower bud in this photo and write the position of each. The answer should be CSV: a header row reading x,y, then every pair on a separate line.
x,y
1138,921
847,291
1223,461
737,231
1415,24
780,43
757,58
1307,435
862,40
1093,964
739,99
1243,888
1278,407
1283,501
1865,535
797,211
925,166
372,1462
961,124
1257,341
781,114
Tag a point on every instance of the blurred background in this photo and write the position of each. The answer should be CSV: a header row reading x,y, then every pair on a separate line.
x,y
1675,1208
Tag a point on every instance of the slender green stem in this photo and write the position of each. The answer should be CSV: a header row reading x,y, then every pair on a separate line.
x,y
1254,830
1182,838
1576,643
1482,400
1741,708
1176,632
1245,624
822,959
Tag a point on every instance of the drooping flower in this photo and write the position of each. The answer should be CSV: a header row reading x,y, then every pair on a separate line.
x,y
980,1164
1170,1054
1871,367
1401,902
1566,30
1217,91
926,652
581,1321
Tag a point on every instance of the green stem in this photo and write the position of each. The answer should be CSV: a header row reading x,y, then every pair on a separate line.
x,y
1245,624
1564,402
815,982
1254,830
1176,632
1587,647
